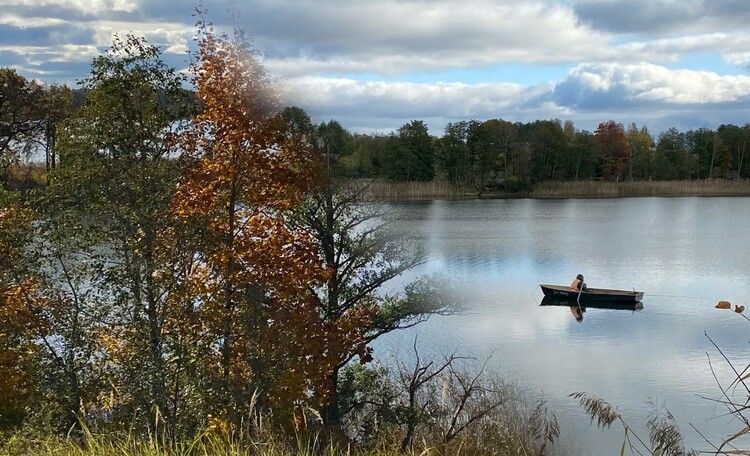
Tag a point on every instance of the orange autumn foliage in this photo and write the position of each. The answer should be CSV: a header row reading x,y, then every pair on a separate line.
x,y
18,317
246,284
611,138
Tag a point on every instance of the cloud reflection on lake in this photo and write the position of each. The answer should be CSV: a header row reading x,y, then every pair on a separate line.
x,y
685,253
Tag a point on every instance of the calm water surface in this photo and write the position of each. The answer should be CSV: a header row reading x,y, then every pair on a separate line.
x,y
684,253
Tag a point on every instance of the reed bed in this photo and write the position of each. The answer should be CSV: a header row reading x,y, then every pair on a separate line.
x,y
381,190
598,189
397,191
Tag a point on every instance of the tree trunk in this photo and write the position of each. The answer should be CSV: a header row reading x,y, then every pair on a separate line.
x,y
158,387
331,412
227,332
713,156
740,159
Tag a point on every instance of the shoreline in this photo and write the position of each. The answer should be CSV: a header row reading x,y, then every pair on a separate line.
x,y
415,191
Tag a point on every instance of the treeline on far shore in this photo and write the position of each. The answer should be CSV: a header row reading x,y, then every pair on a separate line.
x,y
503,158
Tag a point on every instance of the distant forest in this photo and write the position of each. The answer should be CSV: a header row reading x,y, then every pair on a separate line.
x,y
500,155
494,154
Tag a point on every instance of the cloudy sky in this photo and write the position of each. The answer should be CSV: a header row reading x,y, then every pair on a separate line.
x,y
375,64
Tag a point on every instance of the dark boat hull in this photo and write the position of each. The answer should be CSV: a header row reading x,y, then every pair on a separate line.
x,y
553,301
560,292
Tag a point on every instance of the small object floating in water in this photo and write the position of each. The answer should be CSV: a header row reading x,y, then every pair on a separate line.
x,y
739,309
724,305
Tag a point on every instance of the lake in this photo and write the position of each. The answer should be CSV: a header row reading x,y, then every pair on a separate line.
x,y
686,254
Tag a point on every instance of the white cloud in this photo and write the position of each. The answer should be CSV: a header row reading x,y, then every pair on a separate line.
x,y
394,37
29,22
649,82
84,6
62,53
173,37
384,97
388,105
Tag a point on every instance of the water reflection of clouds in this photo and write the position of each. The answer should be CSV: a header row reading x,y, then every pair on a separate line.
x,y
685,253
660,245
546,350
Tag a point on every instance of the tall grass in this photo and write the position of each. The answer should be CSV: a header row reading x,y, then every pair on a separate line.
x,y
214,445
598,189
509,426
26,175
208,443
509,430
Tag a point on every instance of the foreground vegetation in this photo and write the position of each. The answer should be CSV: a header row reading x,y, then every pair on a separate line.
x,y
194,278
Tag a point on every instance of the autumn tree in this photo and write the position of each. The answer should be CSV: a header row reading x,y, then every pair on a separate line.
x,y
246,274
611,138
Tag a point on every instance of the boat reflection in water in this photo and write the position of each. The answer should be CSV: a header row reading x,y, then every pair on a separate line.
x,y
578,311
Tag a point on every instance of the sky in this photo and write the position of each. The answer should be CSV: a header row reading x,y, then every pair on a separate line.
x,y
374,65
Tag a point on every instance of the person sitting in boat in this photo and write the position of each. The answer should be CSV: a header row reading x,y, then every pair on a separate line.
x,y
578,284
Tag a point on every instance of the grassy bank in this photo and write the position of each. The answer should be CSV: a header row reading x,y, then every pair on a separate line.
x,y
489,440
406,191
207,445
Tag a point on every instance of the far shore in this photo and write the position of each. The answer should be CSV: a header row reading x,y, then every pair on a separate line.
x,y
414,191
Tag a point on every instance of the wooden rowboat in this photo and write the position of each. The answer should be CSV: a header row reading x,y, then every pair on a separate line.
x,y
593,294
